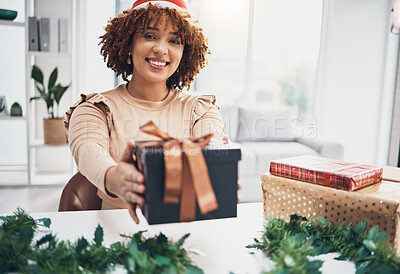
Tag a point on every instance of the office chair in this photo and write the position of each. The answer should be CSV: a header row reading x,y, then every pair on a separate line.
x,y
79,194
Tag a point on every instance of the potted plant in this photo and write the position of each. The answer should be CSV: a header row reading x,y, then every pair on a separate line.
x,y
53,127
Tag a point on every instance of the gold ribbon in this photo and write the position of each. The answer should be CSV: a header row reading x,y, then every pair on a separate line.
x,y
186,172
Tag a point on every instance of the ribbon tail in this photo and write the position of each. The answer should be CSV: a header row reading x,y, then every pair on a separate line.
x,y
187,210
173,171
203,190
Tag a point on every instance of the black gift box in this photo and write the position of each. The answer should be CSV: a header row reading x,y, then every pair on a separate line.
x,y
222,163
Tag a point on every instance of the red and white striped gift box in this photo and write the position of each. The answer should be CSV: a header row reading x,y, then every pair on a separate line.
x,y
327,172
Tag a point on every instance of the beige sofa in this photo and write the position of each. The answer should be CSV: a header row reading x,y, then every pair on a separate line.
x,y
267,134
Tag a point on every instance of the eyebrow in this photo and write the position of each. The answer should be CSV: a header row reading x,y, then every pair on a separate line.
x,y
151,28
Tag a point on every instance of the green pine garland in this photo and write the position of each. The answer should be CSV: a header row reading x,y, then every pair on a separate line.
x,y
20,253
290,245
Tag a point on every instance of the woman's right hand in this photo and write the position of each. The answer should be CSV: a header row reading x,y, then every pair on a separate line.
x,y
126,182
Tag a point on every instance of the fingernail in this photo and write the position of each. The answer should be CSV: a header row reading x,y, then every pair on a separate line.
x,y
140,178
140,189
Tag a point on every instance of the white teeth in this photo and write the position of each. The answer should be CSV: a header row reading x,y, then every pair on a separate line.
x,y
161,64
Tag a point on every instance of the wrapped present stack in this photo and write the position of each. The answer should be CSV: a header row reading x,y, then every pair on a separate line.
x,y
339,191
327,172
187,180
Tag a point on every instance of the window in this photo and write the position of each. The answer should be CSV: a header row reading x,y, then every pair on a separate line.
x,y
263,52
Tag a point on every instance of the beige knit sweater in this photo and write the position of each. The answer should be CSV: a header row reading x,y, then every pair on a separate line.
x,y
99,125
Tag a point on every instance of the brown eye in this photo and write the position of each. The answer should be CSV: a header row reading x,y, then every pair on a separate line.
x,y
176,42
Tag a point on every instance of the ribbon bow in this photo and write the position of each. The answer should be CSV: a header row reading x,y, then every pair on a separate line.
x,y
186,172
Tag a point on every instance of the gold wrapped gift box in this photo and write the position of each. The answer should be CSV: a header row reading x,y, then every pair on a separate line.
x,y
377,205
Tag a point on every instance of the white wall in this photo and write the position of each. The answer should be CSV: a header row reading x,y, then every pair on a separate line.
x,y
354,95
94,76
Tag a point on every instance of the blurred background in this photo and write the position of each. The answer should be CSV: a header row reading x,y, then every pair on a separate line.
x,y
333,62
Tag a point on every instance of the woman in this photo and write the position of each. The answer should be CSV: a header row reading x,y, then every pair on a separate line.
x,y
163,49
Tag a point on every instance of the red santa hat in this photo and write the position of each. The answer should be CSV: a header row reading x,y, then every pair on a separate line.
x,y
175,4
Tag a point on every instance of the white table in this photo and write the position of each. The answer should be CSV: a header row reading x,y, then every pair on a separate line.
x,y
222,241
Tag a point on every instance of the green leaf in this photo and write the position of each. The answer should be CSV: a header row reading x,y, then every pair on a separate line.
x,y
45,96
161,239
161,260
322,220
314,266
81,245
299,237
370,245
373,233
319,250
116,245
41,90
26,233
46,222
362,253
363,267
130,265
58,91
35,98
191,269
138,257
98,235
52,78
382,236
45,239
2,105
182,240
37,74
341,258
133,248
360,227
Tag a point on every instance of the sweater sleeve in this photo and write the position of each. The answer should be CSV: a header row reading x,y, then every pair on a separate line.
x,y
87,126
207,118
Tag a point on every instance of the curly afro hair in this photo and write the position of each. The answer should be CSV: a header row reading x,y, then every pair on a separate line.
x,y
120,31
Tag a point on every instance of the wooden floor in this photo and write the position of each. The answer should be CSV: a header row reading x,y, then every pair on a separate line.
x,y
31,199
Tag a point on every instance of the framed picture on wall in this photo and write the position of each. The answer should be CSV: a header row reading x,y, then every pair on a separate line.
x,y
3,106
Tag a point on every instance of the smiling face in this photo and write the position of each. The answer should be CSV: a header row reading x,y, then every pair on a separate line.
x,y
156,53
122,31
